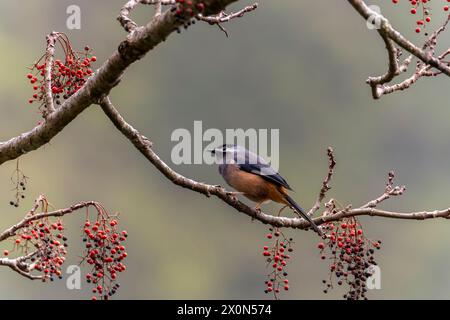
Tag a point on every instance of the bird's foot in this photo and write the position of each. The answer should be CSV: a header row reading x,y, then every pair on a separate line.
x,y
281,210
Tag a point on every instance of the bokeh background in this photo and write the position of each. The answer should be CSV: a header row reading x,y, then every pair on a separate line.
x,y
299,66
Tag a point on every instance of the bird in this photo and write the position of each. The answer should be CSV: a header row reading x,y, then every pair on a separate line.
x,y
253,177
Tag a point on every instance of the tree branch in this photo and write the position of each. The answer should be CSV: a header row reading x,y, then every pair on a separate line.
x,y
10,232
392,37
144,145
325,184
21,264
130,50
222,16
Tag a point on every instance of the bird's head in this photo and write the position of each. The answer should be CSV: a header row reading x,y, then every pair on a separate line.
x,y
224,149
226,153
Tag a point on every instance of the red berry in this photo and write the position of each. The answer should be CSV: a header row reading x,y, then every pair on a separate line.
x,y
200,6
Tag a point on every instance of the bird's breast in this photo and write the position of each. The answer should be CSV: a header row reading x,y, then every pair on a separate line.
x,y
253,186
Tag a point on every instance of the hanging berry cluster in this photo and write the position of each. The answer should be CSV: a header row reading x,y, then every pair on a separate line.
x,y
422,9
350,255
105,252
19,181
40,244
46,238
67,75
277,254
185,12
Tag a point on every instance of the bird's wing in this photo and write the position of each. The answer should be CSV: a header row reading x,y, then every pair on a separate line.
x,y
252,163
266,172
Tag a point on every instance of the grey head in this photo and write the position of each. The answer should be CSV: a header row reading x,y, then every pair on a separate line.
x,y
235,154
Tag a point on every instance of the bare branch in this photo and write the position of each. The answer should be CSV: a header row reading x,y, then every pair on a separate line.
x,y
225,17
325,183
20,266
144,145
389,191
392,37
222,16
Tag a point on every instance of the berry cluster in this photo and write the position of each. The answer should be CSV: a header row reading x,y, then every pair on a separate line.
x,y
185,12
277,254
105,252
19,181
421,8
351,255
67,76
47,240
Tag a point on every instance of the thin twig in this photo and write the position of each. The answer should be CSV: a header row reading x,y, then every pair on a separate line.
x,y
222,16
326,182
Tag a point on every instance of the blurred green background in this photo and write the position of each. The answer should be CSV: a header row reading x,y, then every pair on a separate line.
x,y
299,66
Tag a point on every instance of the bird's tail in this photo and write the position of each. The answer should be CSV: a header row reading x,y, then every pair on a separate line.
x,y
303,214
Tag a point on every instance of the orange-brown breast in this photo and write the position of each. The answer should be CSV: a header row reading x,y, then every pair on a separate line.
x,y
254,186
